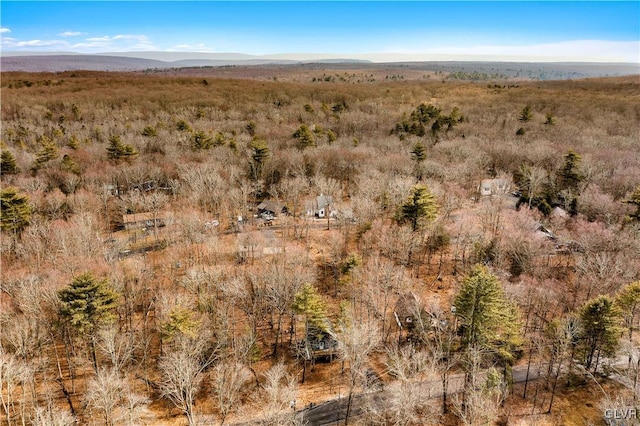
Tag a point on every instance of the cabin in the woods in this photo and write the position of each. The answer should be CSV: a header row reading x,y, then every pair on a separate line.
x,y
320,343
324,206
489,187
271,209
406,309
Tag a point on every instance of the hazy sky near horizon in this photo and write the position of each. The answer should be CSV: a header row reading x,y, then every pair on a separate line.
x,y
575,30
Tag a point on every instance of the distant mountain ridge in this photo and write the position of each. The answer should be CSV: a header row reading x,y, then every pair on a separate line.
x,y
459,68
120,62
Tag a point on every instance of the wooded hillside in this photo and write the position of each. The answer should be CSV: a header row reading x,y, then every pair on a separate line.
x,y
182,249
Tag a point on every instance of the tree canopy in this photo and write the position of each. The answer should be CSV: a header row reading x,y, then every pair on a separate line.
x,y
48,152
419,207
87,303
15,211
8,164
181,321
201,140
600,319
304,136
259,154
628,299
310,304
634,199
570,176
117,149
487,319
419,152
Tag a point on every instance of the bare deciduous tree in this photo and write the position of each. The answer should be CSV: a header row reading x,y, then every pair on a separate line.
x,y
280,392
111,397
182,369
356,340
13,373
283,277
564,335
103,395
409,393
52,416
119,347
482,396
227,379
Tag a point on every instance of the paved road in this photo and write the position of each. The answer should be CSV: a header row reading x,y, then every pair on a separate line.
x,y
334,411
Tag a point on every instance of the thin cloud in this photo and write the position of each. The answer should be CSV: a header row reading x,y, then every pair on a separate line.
x,y
87,45
8,42
122,42
106,39
199,47
118,42
71,34
4,30
141,38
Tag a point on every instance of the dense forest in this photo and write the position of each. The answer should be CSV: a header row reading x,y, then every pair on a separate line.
x,y
191,249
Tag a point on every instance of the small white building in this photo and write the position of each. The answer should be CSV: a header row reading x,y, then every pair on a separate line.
x,y
324,206
490,187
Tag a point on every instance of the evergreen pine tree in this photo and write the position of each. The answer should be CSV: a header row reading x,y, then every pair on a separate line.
x,y
201,140
419,152
309,303
8,164
570,176
601,322
304,136
634,199
487,319
68,164
181,322
15,211
87,304
259,155
628,299
489,324
420,206
117,149
48,152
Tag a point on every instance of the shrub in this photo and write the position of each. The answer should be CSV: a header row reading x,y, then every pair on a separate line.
x,y
149,131
201,140
183,126
117,150
304,136
525,114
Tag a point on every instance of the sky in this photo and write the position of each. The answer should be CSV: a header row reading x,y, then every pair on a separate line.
x,y
547,30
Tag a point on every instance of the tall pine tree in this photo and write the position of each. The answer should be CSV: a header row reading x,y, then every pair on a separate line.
x,y
15,211
117,149
8,164
489,323
419,207
309,303
487,319
87,304
601,321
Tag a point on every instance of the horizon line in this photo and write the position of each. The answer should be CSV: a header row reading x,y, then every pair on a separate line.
x,y
372,57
